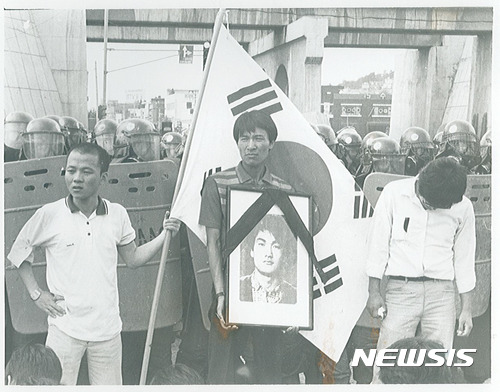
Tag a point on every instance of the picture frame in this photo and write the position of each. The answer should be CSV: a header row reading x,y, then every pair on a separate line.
x,y
269,273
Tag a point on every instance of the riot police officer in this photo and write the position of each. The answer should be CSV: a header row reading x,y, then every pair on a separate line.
x,y
349,148
386,156
136,141
15,125
484,166
43,138
105,134
327,135
172,145
72,131
417,145
460,141
365,166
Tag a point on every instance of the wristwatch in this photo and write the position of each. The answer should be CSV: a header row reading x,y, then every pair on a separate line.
x,y
35,294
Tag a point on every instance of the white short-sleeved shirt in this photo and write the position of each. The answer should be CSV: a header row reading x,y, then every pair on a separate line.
x,y
82,259
407,240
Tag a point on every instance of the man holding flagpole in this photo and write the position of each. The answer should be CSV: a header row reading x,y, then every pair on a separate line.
x,y
255,133
306,165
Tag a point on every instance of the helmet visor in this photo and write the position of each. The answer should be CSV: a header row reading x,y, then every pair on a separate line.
x,y
394,164
146,146
106,141
12,134
43,144
74,137
464,144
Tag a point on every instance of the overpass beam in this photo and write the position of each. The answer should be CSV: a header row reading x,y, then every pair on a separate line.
x,y
163,35
340,39
299,48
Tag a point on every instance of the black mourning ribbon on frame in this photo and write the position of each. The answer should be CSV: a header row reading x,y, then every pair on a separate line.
x,y
258,210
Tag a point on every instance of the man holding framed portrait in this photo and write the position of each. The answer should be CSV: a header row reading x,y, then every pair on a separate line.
x,y
255,133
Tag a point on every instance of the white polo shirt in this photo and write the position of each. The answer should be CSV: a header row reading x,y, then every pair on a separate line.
x,y
82,259
407,240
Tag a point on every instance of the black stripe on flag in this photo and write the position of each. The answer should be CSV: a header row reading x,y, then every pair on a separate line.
x,y
332,286
272,109
371,212
242,92
242,103
243,107
357,200
328,275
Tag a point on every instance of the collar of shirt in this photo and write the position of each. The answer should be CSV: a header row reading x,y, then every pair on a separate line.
x,y
273,295
244,177
411,193
102,208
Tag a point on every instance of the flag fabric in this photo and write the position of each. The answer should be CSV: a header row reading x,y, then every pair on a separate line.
x,y
235,84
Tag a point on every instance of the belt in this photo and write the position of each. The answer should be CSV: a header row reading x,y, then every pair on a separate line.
x,y
413,279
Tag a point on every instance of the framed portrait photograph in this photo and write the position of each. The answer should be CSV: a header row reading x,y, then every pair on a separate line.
x,y
269,272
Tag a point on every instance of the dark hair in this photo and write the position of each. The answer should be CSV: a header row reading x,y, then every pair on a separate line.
x,y
34,364
442,182
178,374
93,149
250,121
276,225
416,374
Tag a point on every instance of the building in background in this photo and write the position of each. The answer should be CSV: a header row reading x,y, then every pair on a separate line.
x,y
179,107
366,109
156,111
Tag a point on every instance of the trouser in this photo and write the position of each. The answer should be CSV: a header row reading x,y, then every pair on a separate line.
x,y
103,358
429,305
364,338
248,355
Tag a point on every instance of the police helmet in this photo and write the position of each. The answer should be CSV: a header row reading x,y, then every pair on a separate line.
x,y
15,125
365,146
327,134
386,156
172,144
105,134
349,147
43,138
460,140
140,135
417,145
485,144
72,131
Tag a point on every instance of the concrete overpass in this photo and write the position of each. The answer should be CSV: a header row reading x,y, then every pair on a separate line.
x,y
347,27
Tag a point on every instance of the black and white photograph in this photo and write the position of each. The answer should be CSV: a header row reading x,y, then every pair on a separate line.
x,y
269,272
269,263
249,193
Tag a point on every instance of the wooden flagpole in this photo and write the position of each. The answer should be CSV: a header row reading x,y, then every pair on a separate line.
x,y
168,236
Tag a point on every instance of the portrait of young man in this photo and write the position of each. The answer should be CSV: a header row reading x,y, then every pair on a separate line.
x,y
271,255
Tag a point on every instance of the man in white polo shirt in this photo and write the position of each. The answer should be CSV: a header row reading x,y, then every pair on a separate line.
x,y
423,240
82,235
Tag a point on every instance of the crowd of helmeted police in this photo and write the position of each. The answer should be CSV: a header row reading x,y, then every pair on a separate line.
x,y
137,140
132,140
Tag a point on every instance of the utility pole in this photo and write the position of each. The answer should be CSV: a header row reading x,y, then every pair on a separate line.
x,y
96,91
105,56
